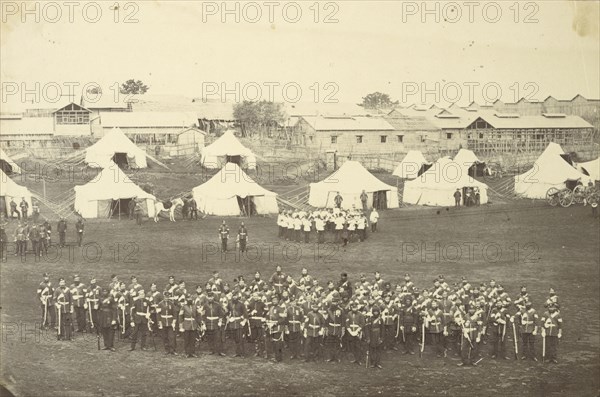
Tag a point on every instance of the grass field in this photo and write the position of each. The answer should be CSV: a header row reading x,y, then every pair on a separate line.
x,y
530,244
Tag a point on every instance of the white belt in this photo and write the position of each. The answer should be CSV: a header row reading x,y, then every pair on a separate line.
x,y
295,322
234,318
314,326
212,318
189,319
335,325
258,318
141,313
167,316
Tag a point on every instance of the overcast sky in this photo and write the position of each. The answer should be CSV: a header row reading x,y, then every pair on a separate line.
x,y
176,48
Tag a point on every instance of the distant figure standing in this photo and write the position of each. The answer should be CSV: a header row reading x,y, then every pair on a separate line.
x,y
223,236
595,210
62,231
363,200
374,217
338,200
242,237
193,209
131,208
477,195
79,227
457,196
3,242
24,208
35,212
185,209
13,209
138,213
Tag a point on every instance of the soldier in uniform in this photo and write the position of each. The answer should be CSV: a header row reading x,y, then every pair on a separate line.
x,y
257,312
313,332
92,304
24,208
34,237
45,294
64,309
189,323
79,226
79,292
213,315
408,324
295,321
374,331
471,337
527,319
107,318
334,330
389,316
552,330
13,209
237,321
275,323
242,237
223,236
140,316
62,231
166,313
278,281
498,323
436,327
21,240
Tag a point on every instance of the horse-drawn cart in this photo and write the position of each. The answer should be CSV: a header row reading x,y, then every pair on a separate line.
x,y
579,195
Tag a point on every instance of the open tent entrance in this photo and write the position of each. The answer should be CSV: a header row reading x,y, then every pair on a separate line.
x,y
6,167
380,200
3,207
247,205
234,159
477,169
120,159
119,207
567,158
424,168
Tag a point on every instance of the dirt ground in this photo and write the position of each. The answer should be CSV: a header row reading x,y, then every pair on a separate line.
x,y
522,243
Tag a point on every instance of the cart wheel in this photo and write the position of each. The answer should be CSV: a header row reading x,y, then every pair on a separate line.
x,y
565,197
579,194
552,196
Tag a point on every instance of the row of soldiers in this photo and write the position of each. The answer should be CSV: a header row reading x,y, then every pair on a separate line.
x,y
39,235
310,320
342,225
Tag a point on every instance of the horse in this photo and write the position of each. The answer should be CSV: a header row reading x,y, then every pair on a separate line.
x,y
160,207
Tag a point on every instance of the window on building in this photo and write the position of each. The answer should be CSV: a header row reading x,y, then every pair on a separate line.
x,y
334,139
400,138
383,138
480,135
72,117
359,139
310,138
422,138
448,135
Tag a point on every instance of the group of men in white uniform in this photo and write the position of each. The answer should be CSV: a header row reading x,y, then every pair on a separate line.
x,y
338,225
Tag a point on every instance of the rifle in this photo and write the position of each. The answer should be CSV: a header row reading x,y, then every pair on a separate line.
x,y
543,345
59,320
422,340
45,312
516,343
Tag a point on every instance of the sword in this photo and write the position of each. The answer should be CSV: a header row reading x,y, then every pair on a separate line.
x,y
503,331
543,347
91,318
59,320
516,343
367,360
45,312
422,340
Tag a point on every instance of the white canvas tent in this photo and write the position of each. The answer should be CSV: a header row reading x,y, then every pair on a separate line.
x,y
108,194
231,192
549,170
115,146
466,158
592,168
9,189
227,149
436,187
350,180
412,165
7,164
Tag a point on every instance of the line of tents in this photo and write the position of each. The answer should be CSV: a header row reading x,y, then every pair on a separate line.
x,y
231,192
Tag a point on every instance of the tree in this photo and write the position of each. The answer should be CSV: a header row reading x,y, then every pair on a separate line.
x,y
378,100
258,117
134,87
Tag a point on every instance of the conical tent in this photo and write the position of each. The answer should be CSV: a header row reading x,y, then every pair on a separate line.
x,y
11,190
592,168
227,149
7,164
109,193
437,186
115,147
466,158
412,165
350,180
550,170
231,192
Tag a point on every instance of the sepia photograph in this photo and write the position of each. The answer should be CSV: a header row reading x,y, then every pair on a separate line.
x,y
299,198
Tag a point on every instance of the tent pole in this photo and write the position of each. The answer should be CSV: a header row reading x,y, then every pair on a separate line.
x,y
119,209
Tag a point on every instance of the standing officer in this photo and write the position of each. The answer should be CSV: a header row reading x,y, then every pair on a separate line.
x,y
552,331
408,324
457,196
527,319
295,320
313,333
93,297
34,237
334,330
166,313
24,208
107,318
257,312
374,337
78,292
13,209
436,327
355,322
242,237
189,320
138,212
193,207
20,240
236,321
471,330
45,294
213,315
275,322
62,231
140,314
64,309
223,236
498,323
35,212
363,199
338,200
79,227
